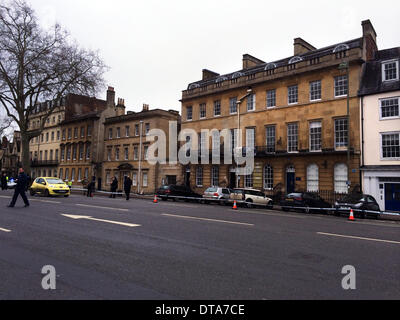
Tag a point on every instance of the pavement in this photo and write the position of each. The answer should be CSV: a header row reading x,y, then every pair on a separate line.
x,y
104,248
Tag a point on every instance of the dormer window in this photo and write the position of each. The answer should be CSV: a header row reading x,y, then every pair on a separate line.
x,y
390,70
341,47
295,59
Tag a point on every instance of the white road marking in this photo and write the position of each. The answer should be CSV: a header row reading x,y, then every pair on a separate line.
x,y
205,219
100,207
360,238
271,214
5,230
101,220
46,201
6,197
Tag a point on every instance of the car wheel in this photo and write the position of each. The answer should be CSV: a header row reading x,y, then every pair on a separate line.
x,y
249,203
32,193
66,196
46,193
270,205
164,199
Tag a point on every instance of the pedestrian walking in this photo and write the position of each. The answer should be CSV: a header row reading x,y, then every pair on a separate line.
x,y
4,181
20,189
127,186
114,186
91,187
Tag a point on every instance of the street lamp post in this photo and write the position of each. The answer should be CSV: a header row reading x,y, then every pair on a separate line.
x,y
345,66
238,102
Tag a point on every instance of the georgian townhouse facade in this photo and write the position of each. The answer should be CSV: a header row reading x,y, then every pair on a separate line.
x,y
294,117
44,149
82,138
380,129
126,150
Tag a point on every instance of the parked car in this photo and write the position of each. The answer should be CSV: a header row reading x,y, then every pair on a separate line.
x,y
306,200
358,202
47,186
217,193
171,191
251,197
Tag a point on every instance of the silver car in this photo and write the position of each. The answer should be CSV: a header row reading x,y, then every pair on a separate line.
x,y
212,194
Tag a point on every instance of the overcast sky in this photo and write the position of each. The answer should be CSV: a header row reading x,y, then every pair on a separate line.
x,y
156,48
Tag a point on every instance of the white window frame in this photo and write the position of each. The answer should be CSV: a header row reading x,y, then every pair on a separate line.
x,y
268,138
268,177
134,179
338,184
248,181
214,176
202,111
145,180
316,87
380,108
189,113
233,105
314,125
251,102
292,94
297,137
199,176
270,98
217,106
381,145
334,86
312,184
334,135
383,70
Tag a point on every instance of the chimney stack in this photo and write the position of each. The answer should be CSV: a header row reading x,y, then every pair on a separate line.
x,y
301,46
369,40
145,107
110,97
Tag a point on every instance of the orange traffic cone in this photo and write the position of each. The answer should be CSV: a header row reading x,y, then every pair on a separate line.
x,y
155,199
351,217
234,205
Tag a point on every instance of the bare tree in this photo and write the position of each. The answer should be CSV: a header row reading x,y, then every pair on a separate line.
x,y
38,65
5,126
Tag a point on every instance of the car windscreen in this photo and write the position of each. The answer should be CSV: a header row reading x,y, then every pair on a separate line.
x,y
55,181
351,198
294,195
211,189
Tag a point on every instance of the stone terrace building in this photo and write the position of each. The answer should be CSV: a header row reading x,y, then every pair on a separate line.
x,y
126,148
10,155
82,133
44,149
295,118
380,129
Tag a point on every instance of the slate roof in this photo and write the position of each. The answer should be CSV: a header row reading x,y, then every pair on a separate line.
x,y
355,43
371,81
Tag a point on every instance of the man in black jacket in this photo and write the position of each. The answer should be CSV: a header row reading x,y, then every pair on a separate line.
x,y
114,186
127,186
22,181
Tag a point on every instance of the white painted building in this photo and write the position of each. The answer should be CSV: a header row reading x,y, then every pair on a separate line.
x,y
380,129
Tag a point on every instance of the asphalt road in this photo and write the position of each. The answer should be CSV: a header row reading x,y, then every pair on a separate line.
x,y
105,248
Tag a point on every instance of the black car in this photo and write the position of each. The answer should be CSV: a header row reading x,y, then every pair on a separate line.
x,y
172,191
306,200
360,203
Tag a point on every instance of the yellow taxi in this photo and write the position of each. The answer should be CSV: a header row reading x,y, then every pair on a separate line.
x,y
49,187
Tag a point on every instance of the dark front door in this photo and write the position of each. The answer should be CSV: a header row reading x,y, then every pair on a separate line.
x,y
392,196
232,180
290,177
187,178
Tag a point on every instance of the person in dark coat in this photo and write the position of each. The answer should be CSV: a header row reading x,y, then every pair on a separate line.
x,y
4,181
22,181
114,186
91,187
127,186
